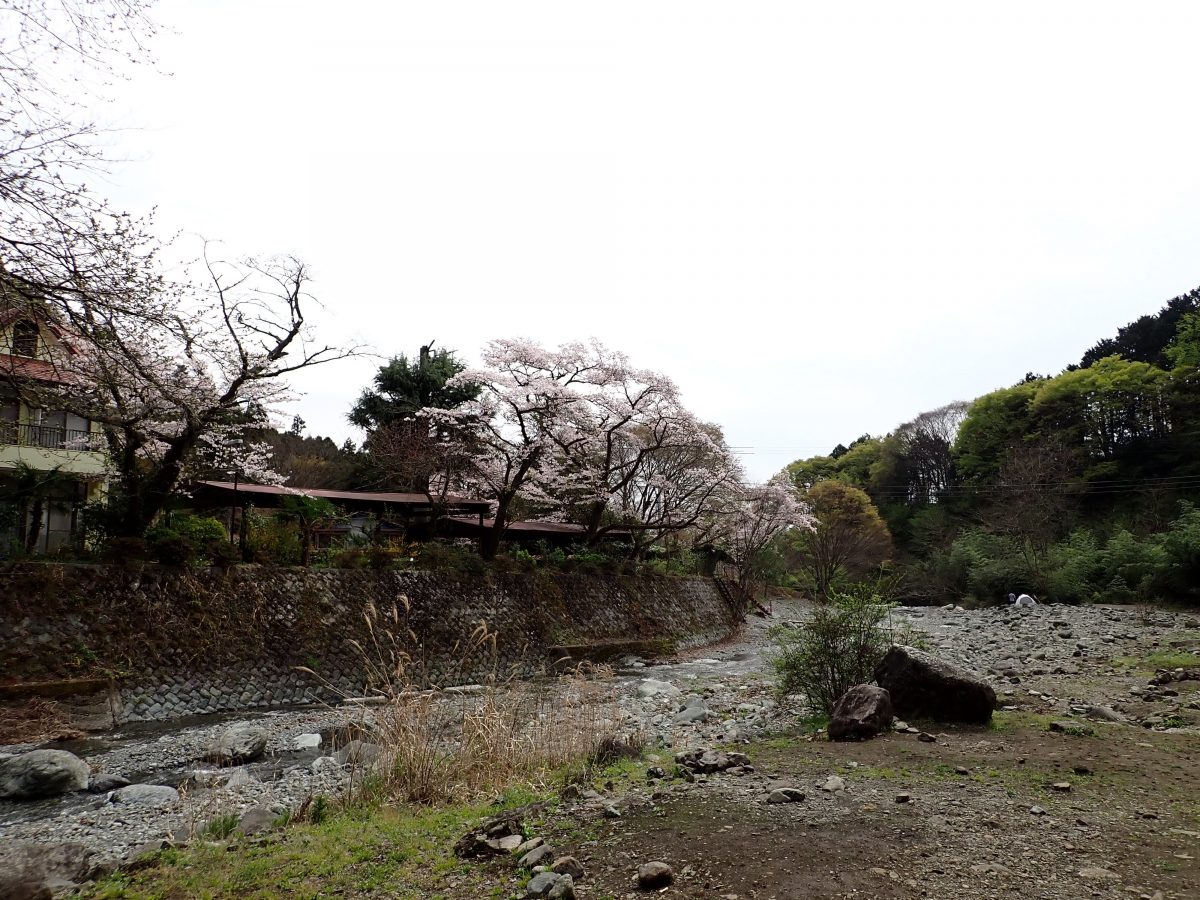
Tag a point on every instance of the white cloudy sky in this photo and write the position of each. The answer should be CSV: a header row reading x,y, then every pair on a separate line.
x,y
819,218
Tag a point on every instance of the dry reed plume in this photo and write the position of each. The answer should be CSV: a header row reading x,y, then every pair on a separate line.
x,y
478,731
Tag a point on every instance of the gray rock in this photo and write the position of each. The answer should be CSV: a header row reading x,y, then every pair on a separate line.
x,y
924,686
510,843
1104,713
651,687
146,794
693,711
1095,873
358,753
862,712
256,819
525,846
306,742
551,884
833,784
42,773
654,875
37,870
104,782
43,870
707,762
239,744
785,795
324,764
536,856
240,778
568,865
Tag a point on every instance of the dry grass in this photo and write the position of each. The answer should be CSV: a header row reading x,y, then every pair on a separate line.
x,y
34,721
459,744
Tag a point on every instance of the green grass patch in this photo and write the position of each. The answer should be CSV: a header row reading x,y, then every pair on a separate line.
x,y
397,852
1152,662
1016,720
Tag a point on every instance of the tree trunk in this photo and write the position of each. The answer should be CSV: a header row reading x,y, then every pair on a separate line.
x,y
489,541
33,529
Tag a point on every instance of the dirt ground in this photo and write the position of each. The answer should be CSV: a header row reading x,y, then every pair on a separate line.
x,y
1128,826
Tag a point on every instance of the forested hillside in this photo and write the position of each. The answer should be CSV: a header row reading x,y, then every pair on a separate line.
x,y
1078,487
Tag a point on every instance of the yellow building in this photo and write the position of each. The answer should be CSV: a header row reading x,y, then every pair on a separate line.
x,y
51,461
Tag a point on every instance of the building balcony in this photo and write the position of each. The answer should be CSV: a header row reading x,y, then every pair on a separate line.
x,y
72,451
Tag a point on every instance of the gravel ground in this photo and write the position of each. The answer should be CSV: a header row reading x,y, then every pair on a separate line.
x,y
1049,662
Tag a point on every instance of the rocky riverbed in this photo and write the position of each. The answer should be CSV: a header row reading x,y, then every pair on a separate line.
x,y
1082,669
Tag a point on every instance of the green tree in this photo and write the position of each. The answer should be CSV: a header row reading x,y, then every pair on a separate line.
x,y
309,512
848,540
1184,350
1104,408
995,423
403,387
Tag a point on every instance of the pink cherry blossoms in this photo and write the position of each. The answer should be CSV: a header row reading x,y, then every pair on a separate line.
x,y
579,434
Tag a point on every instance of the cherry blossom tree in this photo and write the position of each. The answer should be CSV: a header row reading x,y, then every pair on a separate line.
x,y
173,370
580,434
173,373
614,446
756,517
511,429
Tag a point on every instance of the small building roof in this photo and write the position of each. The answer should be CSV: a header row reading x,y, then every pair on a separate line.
x,y
270,494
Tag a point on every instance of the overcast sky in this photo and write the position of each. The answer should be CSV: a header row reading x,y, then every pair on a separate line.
x,y
819,219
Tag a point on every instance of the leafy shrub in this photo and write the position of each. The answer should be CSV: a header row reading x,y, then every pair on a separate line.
x,y
272,540
186,540
351,558
438,556
1181,542
170,549
836,649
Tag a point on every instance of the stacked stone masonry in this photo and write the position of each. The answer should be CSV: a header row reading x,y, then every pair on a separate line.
x,y
167,644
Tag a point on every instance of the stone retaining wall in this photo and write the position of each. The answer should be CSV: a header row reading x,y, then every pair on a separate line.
x,y
169,644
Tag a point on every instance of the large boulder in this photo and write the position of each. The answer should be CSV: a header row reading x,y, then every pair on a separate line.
x,y
862,712
42,773
30,871
923,686
238,744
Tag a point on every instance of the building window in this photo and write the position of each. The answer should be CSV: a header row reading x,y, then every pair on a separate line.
x,y
9,411
25,338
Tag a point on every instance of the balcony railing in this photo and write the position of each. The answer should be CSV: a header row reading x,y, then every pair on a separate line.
x,y
48,437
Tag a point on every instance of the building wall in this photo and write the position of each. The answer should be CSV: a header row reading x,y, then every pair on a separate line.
x,y
167,644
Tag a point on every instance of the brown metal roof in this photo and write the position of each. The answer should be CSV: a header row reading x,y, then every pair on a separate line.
x,y
536,527
546,527
359,496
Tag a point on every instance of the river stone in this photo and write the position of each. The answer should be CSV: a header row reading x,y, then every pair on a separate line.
x,y
146,794
306,742
862,712
568,865
43,870
693,710
105,782
239,744
357,753
785,795
42,773
654,875
256,819
240,778
536,856
921,685
551,884
652,687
